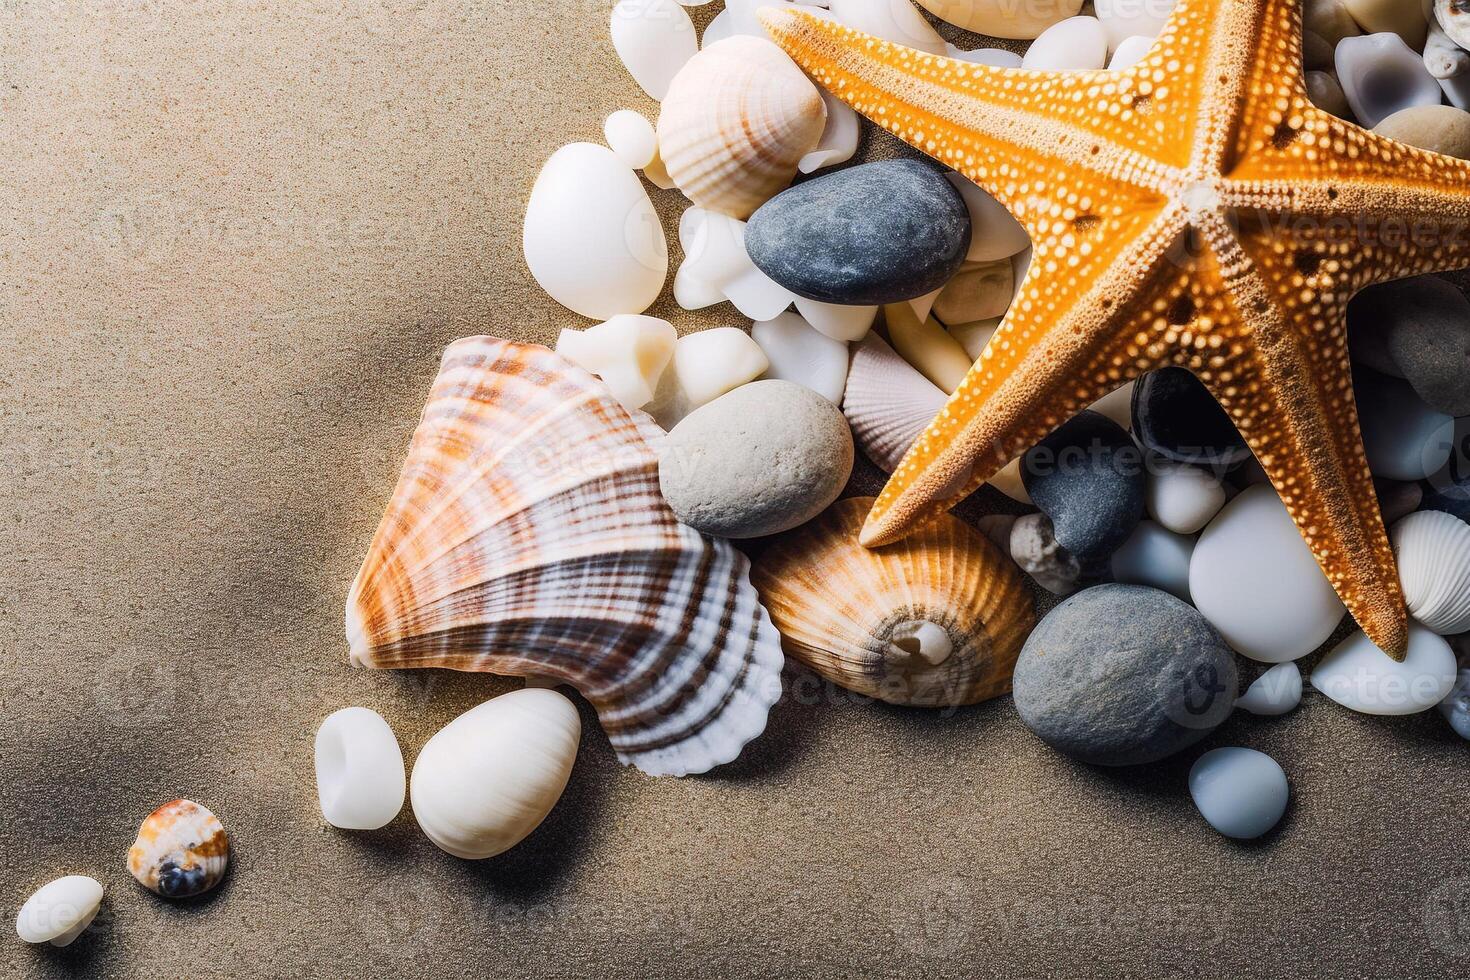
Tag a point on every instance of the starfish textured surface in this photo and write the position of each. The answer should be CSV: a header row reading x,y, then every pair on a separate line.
x,y
1195,210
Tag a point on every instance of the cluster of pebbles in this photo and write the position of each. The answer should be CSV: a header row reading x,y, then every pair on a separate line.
x,y
873,289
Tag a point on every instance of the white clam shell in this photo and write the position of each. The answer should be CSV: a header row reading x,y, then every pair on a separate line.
x,y
716,268
629,353
1381,75
736,123
360,777
1275,692
1361,677
489,777
59,911
591,238
1075,44
887,402
994,234
630,135
1433,552
800,354
1000,18
654,38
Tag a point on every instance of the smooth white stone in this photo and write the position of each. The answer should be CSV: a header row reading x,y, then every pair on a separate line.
x,y
653,38
799,354
974,336
839,137
892,20
1404,438
1124,19
1275,692
1077,43
592,239
628,352
1381,75
844,323
994,234
994,57
979,292
705,366
360,778
1361,677
1118,406
1182,497
631,136
1256,581
716,267
59,911
1001,18
1240,792
1155,556
745,19
1130,51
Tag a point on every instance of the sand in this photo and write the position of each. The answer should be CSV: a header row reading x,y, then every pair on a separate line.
x,y
234,238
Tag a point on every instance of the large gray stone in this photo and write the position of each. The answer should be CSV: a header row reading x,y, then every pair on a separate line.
x,y
761,459
1120,675
1088,477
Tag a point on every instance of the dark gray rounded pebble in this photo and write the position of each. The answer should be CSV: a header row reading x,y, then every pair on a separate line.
x,y
1175,415
1088,477
1449,489
1120,675
877,233
1419,330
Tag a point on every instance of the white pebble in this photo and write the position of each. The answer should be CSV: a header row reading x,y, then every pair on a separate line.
x,y
1126,19
1359,676
839,137
1381,75
59,911
628,352
994,234
801,355
716,267
705,366
994,57
1275,692
1240,792
1155,556
844,323
1077,43
653,38
630,135
1182,497
1130,52
360,778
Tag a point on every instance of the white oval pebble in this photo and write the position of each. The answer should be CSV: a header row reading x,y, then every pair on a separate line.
x,y
59,911
631,136
1181,497
801,355
1240,792
1124,19
892,20
1130,52
844,323
706,365
1155,556
1381,75
839,137
994,234
1275,692
592,239
1359,676
1256,581
360,778
1077,43
653,38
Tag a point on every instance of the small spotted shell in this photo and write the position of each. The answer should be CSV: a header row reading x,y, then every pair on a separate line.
x,y
181,850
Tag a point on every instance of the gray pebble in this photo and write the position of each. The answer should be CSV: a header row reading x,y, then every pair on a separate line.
x,y
1088,477
1033,546
1456,707
1419,330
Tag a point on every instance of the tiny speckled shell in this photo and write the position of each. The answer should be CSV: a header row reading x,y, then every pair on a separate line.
x,y
181,850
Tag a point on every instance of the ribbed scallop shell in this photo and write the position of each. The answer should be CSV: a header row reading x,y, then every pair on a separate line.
x,y
181,851
527,536
1433,552
887,402
859,616
738,118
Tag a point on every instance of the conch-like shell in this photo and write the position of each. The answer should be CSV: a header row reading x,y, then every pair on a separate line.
x,y
736,123
887,402
527,537
935,619
1454,19
1433,552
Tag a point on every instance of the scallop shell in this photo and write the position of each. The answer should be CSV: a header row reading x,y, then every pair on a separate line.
x,y
736,123
887,402
181,850
935,619
527,536
1433,551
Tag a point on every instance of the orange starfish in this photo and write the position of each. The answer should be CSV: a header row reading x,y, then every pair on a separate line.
x,y
1195,210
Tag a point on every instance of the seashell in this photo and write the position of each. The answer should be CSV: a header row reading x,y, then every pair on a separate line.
x,y
1361,677
1453,17
925,345
1129,52
527,536
1275,692
59,911
893,20
935,619
654,39
736,123
1433,552
1402,17
994,233
887,402
1443,57
628,352
1074,44
716,268
630,135
998,18
706,365
591,238
1380,75
181,850
359,770
489,777
980,292
839,140
800,354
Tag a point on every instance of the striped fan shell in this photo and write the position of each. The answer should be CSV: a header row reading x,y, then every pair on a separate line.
x,y
1433,552
527,537
937,618
888,403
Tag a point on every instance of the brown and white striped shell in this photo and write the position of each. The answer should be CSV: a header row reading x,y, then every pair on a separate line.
x,y
738,118
181,851
527,537
935,619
